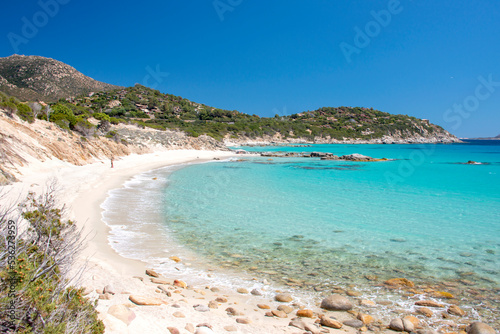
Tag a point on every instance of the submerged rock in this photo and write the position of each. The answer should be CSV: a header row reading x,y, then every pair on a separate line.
x,y
480,328
400,282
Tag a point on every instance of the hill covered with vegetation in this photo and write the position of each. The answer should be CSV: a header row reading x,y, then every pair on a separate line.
x,y
151,108
34,78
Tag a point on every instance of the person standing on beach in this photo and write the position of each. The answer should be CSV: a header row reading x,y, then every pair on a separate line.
x,y
112,160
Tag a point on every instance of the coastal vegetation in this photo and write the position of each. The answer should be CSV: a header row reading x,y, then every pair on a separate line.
x,y
37,249
146,107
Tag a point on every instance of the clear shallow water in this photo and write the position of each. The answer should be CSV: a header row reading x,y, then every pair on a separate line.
x,y
319,224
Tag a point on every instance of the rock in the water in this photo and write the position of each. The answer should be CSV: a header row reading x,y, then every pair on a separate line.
x,y
356,157
479,328
285,308
353,293
365,318
175,259
279,314
256,292
400,282
152,273
283,297
336,303
329,322
455,310
413,320
305,313
244,321
425,311
403,325
408,325
148,301
355,323
428,303
367,303
397,325
201,308
122,312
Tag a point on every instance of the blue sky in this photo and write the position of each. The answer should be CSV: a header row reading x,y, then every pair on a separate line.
x,y
438,60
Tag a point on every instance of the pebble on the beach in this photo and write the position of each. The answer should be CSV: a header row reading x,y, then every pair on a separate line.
x,y
201,308
305,313
152,273
122,312
180,284
242,290
233,311
159,281
279,314
285,308
336,303
179,314
173,330
221,300
189,327
355,323
244,321
231,328
329,322
204,330
147,301
213,304
256,292
283,297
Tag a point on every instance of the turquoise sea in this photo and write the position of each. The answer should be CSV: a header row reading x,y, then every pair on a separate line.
x,y
315,225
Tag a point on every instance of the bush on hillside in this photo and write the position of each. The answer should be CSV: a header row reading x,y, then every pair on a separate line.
x,y
37,248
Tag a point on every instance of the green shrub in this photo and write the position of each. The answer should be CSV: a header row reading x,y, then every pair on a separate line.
x,y
25,113
101,116
36,281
